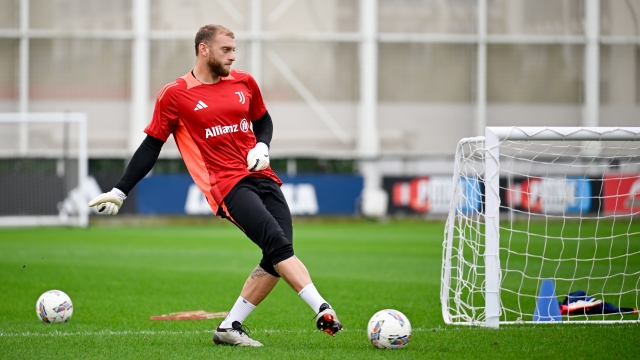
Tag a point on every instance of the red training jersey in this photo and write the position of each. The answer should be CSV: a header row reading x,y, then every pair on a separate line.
x,y
211,126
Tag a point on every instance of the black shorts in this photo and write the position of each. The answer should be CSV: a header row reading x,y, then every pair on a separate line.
x,y
258,207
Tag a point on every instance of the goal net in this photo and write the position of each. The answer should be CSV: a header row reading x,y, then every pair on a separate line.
x,y
543,227
43,168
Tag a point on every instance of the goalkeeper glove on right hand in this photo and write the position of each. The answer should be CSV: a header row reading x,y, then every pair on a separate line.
x,y
258,157
109,202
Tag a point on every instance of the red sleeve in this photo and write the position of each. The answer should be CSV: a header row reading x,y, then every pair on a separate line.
x,y
165,113
257,107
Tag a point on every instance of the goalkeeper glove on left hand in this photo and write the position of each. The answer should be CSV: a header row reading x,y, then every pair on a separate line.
x,y
258,157
109,202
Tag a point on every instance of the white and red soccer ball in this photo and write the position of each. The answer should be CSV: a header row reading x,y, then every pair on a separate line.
x,y
54,306
389,329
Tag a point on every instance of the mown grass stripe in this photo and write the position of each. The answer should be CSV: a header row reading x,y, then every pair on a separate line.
x,y
160,332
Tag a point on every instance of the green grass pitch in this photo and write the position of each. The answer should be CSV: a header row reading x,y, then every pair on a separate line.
x,y
119,275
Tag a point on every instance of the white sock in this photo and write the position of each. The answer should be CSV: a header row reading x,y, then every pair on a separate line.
x,y
240,310
311,295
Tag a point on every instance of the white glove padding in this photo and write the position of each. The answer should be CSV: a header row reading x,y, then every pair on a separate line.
x,y
109,202
258,157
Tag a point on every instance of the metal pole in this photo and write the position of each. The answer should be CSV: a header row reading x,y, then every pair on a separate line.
x,y
139,74
23,106
368,141
481,70
83,169
256,41
492,230
592,64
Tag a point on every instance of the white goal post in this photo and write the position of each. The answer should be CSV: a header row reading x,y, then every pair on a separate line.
x,y
43,169
541,227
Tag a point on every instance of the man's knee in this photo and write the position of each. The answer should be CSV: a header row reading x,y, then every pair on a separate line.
x,y
277,246
267,266
282,254
268,262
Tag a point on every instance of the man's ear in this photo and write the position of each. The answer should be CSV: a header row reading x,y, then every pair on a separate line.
x,y
203,49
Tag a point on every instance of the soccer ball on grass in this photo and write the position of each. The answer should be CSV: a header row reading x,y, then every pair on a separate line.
x,y
54,306
389,329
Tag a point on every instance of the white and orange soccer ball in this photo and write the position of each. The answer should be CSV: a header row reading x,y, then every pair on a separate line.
x,y
54,306
389,329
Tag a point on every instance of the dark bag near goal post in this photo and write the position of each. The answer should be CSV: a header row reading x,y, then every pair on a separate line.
x,y
579,303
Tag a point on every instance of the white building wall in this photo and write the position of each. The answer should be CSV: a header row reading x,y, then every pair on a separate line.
x,y
80,60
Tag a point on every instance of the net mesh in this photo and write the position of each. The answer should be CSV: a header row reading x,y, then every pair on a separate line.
x,y
567,211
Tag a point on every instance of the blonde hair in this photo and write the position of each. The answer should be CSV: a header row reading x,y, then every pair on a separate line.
x,y
208,32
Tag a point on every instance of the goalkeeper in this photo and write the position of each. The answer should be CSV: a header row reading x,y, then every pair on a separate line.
x,y
208,112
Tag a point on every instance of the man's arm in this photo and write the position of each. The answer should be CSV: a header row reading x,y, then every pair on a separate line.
x,y
258,157
141,163
263,129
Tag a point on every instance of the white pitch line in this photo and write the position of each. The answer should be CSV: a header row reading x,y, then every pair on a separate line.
x,y
148,332
101,332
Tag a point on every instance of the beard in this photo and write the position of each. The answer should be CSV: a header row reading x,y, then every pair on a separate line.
x,y
216,67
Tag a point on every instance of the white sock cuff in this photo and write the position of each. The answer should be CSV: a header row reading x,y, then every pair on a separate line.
x,y
308,287
312,297
241,309
245,302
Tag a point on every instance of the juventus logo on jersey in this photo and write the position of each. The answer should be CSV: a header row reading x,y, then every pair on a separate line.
x,y
241,96
201,105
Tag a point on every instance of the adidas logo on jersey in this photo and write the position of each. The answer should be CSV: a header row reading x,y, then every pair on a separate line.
x,y
201,105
